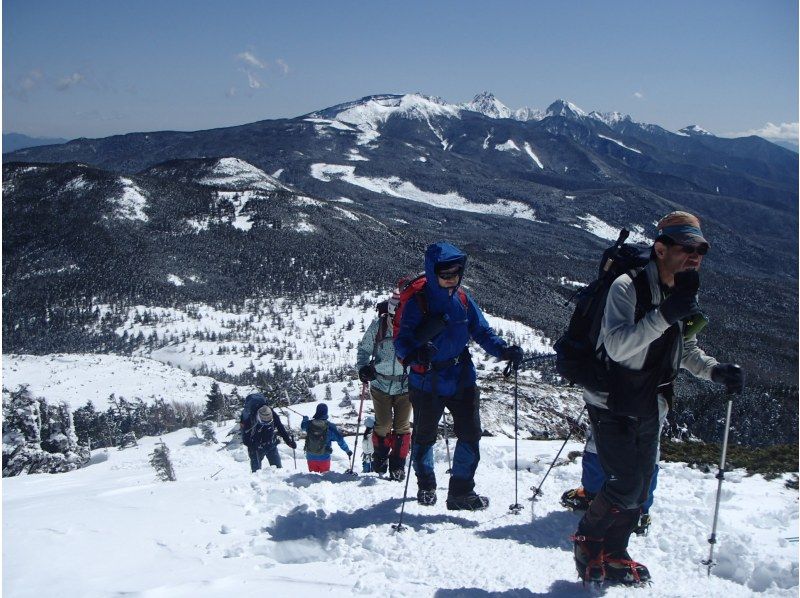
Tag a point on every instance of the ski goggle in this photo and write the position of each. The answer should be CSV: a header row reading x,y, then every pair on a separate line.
x,y
701,249
449,274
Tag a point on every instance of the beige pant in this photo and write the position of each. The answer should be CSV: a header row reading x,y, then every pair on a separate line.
x,y
392,412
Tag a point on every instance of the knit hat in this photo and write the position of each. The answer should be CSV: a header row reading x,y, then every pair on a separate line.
x,y
394,301
369,421
682,228
321,412
265,415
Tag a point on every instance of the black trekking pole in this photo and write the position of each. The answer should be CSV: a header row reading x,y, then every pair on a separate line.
x,y
516,507
447,444
294,450
712,540
399,527
289,423
364,389
538,490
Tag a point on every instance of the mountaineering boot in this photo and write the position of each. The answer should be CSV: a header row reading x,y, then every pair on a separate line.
x,y
577,499
621,568
426,497
380,457
467,502
588,555
643,527
401,444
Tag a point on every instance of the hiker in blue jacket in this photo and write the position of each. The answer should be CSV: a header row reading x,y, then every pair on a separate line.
x,y
436,326
260,427
320,435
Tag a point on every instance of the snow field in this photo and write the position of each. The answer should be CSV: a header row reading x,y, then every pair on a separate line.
x,y
317,334
110,528
75,379
395,187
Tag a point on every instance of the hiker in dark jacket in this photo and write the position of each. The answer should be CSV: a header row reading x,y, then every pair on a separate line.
x,y
377,365
644,355
434,337
320,436
261,426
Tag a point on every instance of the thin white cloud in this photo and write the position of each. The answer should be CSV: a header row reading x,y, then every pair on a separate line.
x,y
31,80
250,59
781,132
253,82
282,66
638,95
231,92
69,81
26,85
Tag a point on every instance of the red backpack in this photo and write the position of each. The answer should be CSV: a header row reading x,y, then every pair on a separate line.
x,y
414,287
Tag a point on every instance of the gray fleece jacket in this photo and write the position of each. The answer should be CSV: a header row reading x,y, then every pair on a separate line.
x,y
391,378
626,341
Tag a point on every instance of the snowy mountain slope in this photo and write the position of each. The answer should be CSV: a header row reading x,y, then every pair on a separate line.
x,y
320,333
112,529
76,379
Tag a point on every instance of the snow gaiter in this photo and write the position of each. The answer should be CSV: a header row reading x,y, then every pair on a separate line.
x,y
381,454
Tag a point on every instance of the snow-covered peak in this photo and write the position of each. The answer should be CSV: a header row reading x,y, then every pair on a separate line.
x,y
525,113
374,110
565,109
238,174
486,103
695,130
367,114
610,118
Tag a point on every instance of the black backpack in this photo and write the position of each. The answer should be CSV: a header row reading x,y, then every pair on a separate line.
x,y
578,359
317,438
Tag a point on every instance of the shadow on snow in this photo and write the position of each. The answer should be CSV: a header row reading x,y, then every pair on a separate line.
x,y
301,522
550,531
562,588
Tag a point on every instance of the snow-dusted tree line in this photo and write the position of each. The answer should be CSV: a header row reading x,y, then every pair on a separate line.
x,y
43,438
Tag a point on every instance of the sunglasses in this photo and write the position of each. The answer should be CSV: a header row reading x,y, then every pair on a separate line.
x,y
701,249
450,274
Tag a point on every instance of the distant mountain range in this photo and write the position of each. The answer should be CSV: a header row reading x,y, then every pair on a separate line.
x,y
346,198
15,141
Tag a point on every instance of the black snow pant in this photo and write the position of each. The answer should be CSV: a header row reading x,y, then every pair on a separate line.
x,y
627,448
464,406
258,453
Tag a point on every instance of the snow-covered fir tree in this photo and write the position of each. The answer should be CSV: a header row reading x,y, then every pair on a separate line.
x,y
161,462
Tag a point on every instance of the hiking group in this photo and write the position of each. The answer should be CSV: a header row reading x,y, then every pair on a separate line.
x,y
632,330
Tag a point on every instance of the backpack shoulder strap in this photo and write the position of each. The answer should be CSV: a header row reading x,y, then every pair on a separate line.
x,y
644,298
422,301
383,327
462,294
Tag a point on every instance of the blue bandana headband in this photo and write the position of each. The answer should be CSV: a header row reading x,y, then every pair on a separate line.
x,y
681,229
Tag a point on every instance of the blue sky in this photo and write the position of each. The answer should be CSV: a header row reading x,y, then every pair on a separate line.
x,y
92,68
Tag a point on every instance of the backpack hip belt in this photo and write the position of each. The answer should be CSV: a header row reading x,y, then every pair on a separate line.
x,y
389,377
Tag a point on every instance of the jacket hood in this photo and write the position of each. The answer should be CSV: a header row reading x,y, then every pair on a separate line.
x,y
321,412
436,254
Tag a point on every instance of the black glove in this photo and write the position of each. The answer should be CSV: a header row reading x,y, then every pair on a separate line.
x,y
730,375
513,354
678,306
687,282
421,355
349,453
367,373
292,444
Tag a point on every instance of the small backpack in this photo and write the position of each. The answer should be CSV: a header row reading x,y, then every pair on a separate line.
x,y
415,287
578,358
317,438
